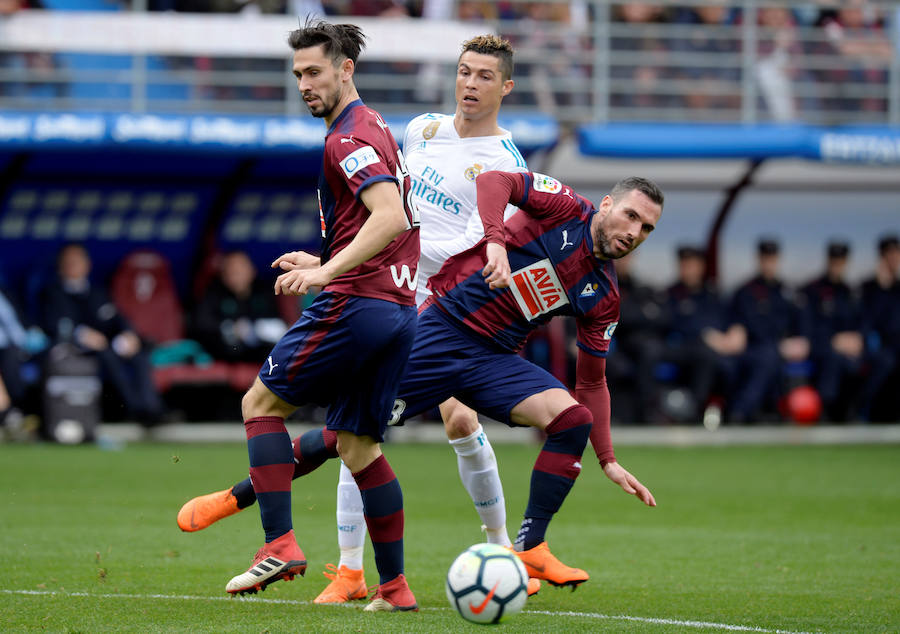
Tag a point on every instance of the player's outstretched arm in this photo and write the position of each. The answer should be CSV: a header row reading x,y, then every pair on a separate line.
x,y
386,221
618,474
592,392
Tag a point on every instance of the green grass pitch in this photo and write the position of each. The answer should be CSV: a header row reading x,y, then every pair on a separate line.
x,y
798,539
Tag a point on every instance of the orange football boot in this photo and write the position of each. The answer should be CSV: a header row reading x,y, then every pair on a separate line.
x,y
541,564
346,585
204,510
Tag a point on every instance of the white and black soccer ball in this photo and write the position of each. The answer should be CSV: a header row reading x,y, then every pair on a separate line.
x,y
487,583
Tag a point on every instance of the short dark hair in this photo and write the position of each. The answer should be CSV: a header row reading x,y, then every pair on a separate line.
x,y
644,185
767,246
339,40
888,242
838,249
686,251
496,47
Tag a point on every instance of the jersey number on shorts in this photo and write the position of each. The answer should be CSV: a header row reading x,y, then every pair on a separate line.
x,y
397,411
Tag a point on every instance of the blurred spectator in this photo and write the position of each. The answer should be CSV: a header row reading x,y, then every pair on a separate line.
x,y
32,65
716,81
12,352
79,312
469,10
237,317
777,69
557,77
763,309
855,31
17,344
632,359
833,325
696,343
380,8
881,328
639,56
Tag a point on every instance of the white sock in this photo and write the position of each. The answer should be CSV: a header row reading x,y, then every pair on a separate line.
x,y
351,523
478,472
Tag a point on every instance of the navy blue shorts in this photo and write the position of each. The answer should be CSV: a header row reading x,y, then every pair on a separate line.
x,y
347,353
447,361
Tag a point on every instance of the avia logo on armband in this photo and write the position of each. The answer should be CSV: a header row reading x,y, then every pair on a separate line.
x,y
546,184
537,289
404,276
359,159
589,290
610,329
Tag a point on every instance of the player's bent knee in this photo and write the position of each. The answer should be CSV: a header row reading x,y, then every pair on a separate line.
x,y
539,410
459,421
357,452
260,401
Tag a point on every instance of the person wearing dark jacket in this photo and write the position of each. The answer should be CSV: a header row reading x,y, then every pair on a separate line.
x,y
764,310
237,318
881,331
832,320
82,314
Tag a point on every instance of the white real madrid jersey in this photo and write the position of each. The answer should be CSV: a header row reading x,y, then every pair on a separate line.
x,y
443,167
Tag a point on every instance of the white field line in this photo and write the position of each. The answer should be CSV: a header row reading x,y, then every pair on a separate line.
x,y
583,615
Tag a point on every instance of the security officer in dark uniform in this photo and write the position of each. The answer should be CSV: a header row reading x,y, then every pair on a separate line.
x,y
881,330
634,348
696,314
832,320
763,308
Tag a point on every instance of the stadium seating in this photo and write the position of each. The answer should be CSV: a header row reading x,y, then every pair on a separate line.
x,y
144,291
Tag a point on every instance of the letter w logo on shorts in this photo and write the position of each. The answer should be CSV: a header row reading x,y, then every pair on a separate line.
x,y
537,289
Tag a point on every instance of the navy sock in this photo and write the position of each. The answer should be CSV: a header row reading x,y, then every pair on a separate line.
x,y
271,468
383,509
310,450
554,473
244,493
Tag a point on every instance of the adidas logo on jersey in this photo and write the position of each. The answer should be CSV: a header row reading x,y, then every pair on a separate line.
x,y
589,290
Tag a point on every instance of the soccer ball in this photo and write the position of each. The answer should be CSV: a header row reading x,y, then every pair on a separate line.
x,y
487,583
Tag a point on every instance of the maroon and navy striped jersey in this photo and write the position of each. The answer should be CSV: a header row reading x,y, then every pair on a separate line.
x,y
359,151
554,271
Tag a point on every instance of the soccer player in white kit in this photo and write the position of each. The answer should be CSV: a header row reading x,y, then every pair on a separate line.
x,y
444,154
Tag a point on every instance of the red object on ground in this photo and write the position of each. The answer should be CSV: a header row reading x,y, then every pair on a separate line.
x,y
803,405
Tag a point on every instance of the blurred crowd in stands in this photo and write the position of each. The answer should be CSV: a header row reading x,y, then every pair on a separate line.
x,y
810,57
826,351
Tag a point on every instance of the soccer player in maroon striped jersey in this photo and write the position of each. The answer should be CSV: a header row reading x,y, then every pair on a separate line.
x,y
349,348
553,257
